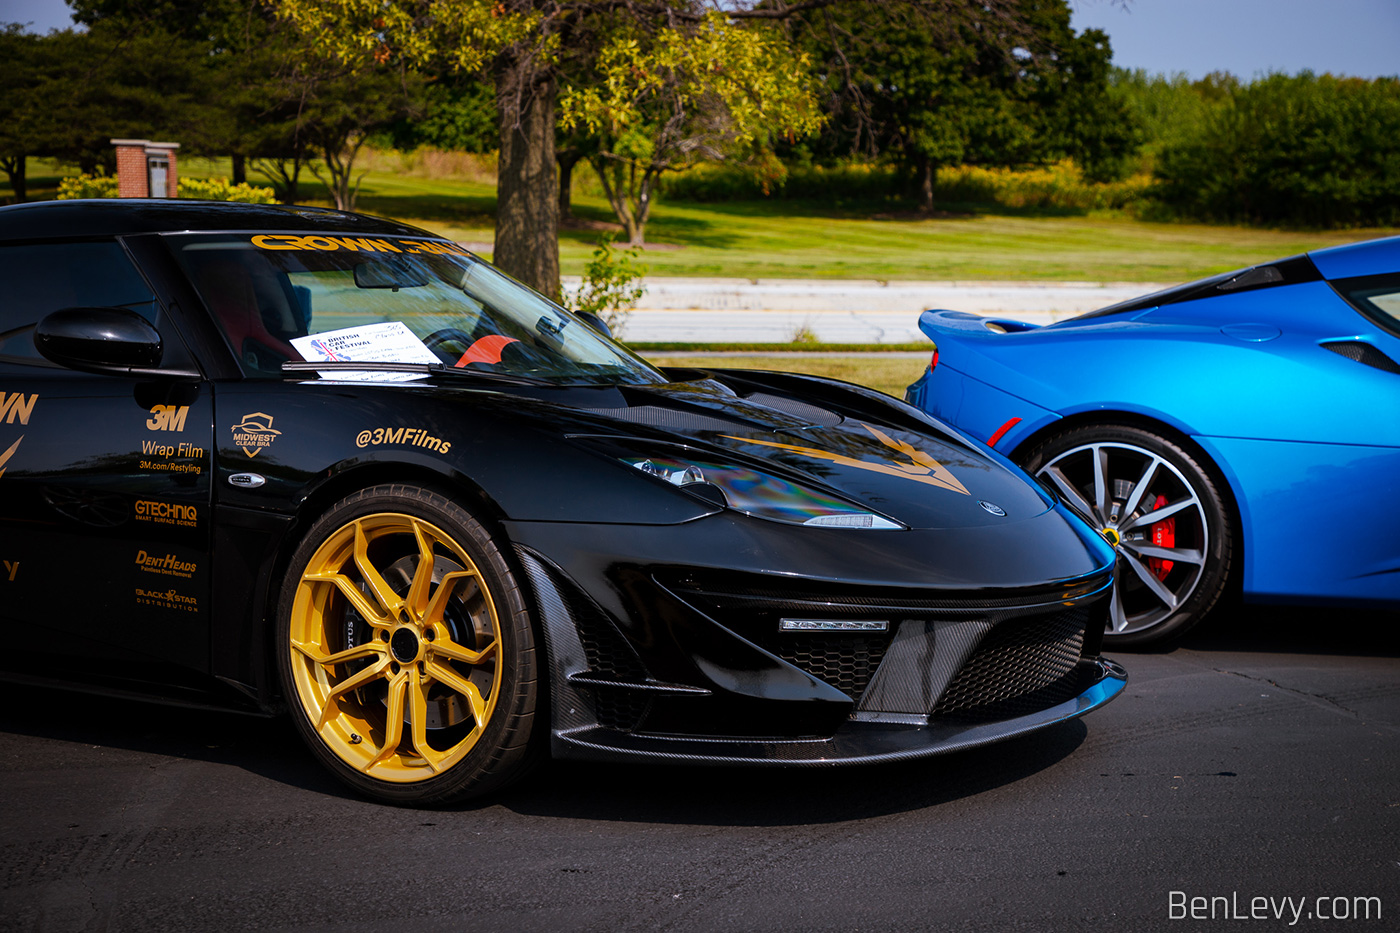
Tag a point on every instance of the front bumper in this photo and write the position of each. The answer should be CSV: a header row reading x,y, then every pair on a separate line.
x,y
658,650
853,743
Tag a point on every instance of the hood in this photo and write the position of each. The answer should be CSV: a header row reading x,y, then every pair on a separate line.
x,y
921,478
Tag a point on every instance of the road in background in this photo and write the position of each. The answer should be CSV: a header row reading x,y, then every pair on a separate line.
x,y
1262,759
844,311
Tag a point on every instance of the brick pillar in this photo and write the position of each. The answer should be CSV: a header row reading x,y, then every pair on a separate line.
x,y
132,180
173,182
134,166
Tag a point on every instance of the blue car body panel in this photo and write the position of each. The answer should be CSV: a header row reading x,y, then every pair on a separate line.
x,y
1307,439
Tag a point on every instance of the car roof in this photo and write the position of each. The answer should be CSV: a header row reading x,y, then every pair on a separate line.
x,y
1371,257
121,216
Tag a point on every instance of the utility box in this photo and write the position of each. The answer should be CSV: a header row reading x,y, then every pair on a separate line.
x,y
146,169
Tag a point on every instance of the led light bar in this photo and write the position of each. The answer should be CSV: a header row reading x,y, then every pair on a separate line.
x,y
832,625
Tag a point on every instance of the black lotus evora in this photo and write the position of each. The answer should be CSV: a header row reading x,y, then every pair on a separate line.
x,y
292,458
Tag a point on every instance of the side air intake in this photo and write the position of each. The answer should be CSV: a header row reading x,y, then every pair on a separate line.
x,y
1363,352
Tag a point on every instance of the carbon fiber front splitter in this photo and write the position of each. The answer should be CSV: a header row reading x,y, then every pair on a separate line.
x,y
854,743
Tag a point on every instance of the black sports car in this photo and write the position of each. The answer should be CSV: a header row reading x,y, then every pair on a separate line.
x,y
291,457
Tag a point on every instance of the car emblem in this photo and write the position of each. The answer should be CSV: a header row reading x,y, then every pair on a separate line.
x,y
992,507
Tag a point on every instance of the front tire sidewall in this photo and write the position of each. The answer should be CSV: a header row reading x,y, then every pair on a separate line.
x,y
1219,517
501,751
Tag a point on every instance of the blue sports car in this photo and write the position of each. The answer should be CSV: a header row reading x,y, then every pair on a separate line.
x,y
1241,431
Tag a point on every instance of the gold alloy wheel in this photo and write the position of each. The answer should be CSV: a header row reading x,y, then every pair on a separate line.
x,y
395,648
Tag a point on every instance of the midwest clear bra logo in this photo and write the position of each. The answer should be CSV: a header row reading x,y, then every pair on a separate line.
x,y
255,433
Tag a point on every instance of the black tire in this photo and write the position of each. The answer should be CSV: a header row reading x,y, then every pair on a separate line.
x,y
450,647
1157,599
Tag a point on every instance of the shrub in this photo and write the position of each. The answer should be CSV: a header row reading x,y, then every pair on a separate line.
x,y
208,189
88,186
1308,150
219,189
611,285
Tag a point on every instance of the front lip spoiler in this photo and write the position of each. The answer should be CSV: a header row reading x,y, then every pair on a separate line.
x,y
854,743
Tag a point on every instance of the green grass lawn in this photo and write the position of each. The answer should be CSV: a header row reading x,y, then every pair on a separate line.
x,y
879,371
791,239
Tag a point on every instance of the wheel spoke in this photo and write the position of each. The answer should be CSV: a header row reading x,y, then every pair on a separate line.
x,y
1101,491
450,649
1166,511
371,613
1118,619
1149,578
418,720
1072,496
349,685
368,649
1140,487
453,681
417,599
393,720
1185,555
383,592
432,615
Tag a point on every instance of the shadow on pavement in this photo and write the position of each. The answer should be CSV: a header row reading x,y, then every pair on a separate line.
x,y
1329,630
645,793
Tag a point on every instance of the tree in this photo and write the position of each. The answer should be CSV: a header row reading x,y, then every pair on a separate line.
x,y
987,84
659,99
23,126
526,47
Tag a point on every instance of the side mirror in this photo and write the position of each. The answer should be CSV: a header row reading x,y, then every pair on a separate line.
x,y
595,322
103,340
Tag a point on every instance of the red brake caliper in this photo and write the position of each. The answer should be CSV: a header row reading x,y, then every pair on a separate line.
x,y
1163,535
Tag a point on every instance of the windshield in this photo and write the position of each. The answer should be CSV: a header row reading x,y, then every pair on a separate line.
x,y
280,297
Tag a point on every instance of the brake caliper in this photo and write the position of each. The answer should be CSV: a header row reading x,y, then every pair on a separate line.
x,y
1163,535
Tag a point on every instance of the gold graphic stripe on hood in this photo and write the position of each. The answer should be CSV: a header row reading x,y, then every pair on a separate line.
x,y
921,469
5,457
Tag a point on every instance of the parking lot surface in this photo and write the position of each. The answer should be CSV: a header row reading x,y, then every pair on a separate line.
x,y
1260,759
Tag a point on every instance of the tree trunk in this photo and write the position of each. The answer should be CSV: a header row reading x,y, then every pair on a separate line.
x,y
527,194
567,159
14,167
240,169
927,171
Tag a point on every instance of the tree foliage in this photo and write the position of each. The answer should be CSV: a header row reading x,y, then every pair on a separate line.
x,y
1307,149
988,84
658,99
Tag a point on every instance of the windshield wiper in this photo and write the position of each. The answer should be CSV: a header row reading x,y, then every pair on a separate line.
x,y
432,369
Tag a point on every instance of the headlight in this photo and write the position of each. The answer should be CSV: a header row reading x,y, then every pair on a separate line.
x,y
758,494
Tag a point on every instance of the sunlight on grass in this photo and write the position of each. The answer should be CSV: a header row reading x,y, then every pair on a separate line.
x,y
806,239
876,370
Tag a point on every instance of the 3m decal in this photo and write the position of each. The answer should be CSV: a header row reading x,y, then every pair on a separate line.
x,y
11,569
15,406
412,437
330,244
921,469
167,418
167,599
9,452
171,453
169,564
254,433
167,513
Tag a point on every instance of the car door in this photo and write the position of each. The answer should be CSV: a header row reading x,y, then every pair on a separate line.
x,y
104,485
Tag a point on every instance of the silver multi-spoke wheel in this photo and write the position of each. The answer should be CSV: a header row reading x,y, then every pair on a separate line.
x,y
1161,512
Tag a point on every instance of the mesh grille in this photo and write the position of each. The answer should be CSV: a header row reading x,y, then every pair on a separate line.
x,y
845,662
1021,666
1364,353
619,708
609,655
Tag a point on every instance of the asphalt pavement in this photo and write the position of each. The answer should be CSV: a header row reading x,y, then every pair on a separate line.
x,y
1260,760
